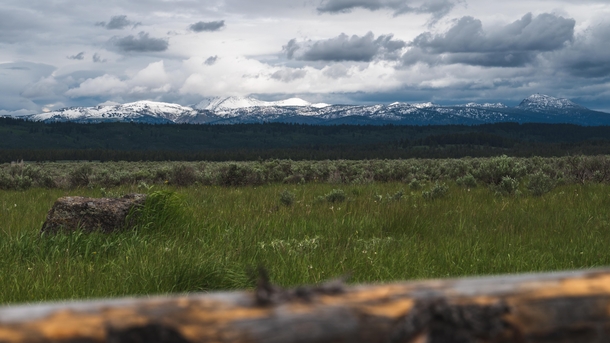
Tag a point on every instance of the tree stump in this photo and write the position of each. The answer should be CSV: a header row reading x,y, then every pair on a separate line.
x,y
92,214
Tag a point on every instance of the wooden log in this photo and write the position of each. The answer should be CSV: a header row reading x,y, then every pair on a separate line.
x,y
549,307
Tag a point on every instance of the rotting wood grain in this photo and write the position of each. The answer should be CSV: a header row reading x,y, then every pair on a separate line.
x,y
549,307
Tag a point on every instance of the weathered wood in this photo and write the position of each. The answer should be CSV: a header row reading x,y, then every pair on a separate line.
x,y
550,307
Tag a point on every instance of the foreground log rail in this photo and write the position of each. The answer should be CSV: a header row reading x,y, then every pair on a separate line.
x,y
549,307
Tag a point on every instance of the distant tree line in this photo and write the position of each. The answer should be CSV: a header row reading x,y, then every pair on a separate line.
x,y
36,141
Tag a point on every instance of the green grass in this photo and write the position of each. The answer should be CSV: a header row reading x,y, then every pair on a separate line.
x,y
216,234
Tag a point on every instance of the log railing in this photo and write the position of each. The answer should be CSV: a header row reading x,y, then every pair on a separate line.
x,y
549,307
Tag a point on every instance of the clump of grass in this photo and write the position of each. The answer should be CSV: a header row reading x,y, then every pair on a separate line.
x,y
287,197
397,196
161,209
439,190
415,184
292,246
336,195
390,197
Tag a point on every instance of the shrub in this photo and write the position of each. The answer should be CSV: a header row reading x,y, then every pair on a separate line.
x,y
437,191
296,178
493,170
162,174
17,182
336,195
287,197
508,186
182,175
540,184
240,175
467,181
81,176
45,180
415,184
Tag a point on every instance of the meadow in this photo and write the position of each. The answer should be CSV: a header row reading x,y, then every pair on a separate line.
x,y
488,216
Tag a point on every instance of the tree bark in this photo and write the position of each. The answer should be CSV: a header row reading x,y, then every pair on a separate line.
x,y
548,307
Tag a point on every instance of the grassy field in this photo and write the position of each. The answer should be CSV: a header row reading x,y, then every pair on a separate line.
x,y
305,233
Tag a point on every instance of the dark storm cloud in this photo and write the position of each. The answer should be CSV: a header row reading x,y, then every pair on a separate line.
x,y
211,60
98,59
512,45
207,26
141,43
117,22
438,8
588,56
79,56
335,6
291,48
345,48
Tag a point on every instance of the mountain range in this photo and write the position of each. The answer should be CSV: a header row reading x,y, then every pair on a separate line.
x,y
536,108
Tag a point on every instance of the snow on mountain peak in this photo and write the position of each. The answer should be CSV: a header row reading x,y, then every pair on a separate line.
x,y
235,102
132,110
541,101
228,103
485,105
424,105
292,102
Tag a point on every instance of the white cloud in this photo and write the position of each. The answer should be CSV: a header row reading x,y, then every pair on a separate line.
x,y
243,76
152,79
151,76
46,87
17,113
108,103
53,106
103,85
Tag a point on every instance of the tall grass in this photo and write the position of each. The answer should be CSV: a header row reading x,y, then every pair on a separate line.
x,y
218,233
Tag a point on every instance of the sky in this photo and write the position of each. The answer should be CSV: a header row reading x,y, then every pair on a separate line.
x,y
63,53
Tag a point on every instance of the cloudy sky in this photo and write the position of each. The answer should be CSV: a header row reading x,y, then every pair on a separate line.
x,y
59,53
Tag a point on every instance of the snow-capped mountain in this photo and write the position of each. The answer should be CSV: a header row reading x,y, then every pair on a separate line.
x,y
235,110
233,102
542,103
148,111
